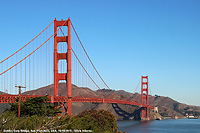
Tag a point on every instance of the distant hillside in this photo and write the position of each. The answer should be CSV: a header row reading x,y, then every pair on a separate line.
x,y
167,106
171,108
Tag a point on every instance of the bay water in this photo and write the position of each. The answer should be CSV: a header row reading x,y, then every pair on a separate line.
x,y
163,126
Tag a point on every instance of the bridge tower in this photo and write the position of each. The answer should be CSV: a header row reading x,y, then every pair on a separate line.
x,y
63,56
144,98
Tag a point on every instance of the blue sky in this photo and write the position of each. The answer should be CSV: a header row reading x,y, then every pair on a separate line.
x,y
125,39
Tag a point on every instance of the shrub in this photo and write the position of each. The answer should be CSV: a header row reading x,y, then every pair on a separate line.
x,y
97,121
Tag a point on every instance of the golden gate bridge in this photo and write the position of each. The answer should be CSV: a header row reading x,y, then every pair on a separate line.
x,y
56,56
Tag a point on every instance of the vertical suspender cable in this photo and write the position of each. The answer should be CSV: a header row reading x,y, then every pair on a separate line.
x,y
21,71
42,64
33,71
46,61
2,78
29,71
7,77
25,72
16,81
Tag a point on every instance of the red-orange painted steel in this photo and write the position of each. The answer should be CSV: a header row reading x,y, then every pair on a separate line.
x,y
58,56
55,60
144,97
58,99
69,76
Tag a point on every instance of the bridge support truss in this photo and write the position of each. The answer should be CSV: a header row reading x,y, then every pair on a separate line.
x,y
63,56
145,98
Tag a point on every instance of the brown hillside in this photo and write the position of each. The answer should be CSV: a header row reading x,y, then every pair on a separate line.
x,y
167,106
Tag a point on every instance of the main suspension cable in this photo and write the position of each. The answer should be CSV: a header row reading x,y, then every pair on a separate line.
x,y
91,61
26,44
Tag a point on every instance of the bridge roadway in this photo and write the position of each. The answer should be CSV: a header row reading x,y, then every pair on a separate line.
x,y
12,99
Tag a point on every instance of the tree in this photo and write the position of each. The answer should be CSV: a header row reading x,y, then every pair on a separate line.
x,y
35,106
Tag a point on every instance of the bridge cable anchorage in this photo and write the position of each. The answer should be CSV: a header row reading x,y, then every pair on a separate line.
x,y
91,61
27,43
31,52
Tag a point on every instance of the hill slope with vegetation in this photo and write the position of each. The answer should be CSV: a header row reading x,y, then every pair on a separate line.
x,y
38,116
167,107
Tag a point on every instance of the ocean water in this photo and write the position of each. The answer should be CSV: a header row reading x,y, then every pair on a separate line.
x,y
163,126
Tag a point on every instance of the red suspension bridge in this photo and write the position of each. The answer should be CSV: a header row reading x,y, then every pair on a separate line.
x,y
57,57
